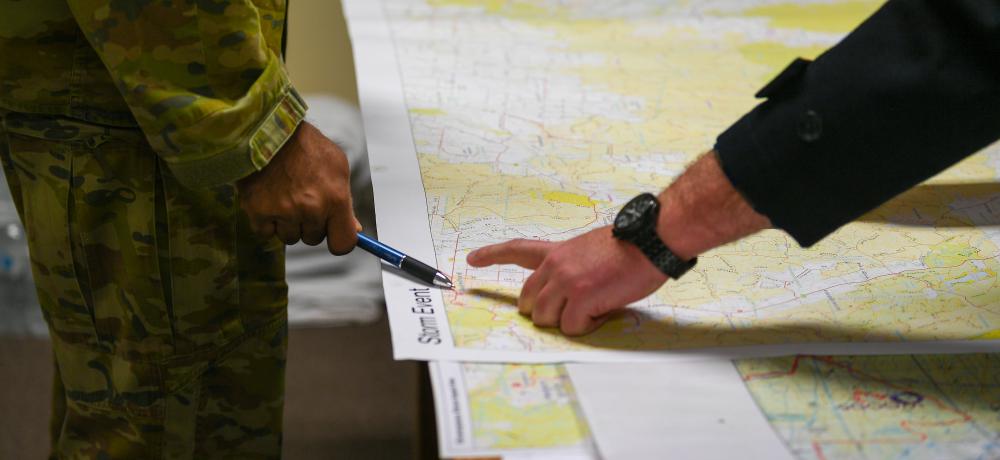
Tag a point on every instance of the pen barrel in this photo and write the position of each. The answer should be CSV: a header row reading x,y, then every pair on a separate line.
x,y
382,251
424,272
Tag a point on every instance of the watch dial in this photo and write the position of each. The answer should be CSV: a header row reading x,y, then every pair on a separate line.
x,y
626,218
632,215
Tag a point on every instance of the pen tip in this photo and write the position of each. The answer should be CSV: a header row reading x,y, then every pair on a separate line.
x,y
443,282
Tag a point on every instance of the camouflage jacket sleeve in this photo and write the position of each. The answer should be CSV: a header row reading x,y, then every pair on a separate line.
x,y
204,79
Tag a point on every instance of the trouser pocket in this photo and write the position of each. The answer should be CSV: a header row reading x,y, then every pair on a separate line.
x,y
41,172
114,231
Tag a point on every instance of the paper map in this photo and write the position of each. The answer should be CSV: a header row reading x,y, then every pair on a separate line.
x,y
875,407
498,119
822,407
507,409
539,119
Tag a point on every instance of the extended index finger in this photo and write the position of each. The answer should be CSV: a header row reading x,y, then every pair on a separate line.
x,y
526,253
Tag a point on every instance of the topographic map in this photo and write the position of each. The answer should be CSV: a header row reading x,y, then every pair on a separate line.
x,y
874,407
502,409
822,407
539,119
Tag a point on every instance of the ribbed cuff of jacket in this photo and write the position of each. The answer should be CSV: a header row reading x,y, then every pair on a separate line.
x,y
267,139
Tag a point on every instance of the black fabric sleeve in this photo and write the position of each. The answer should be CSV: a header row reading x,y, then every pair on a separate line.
x,y
911,91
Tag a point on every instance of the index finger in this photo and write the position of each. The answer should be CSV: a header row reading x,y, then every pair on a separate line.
x,y
526,253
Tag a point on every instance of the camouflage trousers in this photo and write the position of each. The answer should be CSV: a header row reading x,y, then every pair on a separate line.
x,y
168,320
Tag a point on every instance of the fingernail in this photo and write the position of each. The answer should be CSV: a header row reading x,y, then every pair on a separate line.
x,y
357,224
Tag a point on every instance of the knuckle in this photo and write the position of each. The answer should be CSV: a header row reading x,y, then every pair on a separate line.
x,y
580,284
565,275
311,205
340,195
548,264
556,257
285,208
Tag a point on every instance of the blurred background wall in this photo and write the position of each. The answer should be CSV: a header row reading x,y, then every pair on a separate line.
x,y
319,57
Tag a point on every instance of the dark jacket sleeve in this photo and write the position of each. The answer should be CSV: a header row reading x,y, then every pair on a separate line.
x,y
911,91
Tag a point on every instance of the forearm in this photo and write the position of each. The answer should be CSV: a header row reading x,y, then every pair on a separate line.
x,y
702,210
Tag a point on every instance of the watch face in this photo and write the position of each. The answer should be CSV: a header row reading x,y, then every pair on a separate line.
x,y
634,215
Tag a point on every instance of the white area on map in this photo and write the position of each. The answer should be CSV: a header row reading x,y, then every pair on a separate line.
x,y
539,119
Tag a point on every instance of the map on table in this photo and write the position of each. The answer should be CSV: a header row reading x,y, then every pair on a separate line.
x,y
875,407
497,119
492,120
507,410
821,407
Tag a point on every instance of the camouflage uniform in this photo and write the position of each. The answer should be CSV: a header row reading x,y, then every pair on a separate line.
x,y
124,126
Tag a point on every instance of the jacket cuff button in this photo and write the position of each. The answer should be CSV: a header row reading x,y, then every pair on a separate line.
x,y
810,126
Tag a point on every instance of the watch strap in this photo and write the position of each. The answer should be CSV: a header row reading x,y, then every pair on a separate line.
x,y
661,256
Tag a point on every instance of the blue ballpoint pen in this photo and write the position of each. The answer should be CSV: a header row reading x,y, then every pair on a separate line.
x,y
422,271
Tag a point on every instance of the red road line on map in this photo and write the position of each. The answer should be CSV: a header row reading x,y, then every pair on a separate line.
x,y
818,449
764,375
906,425
859,395
923,437
832,362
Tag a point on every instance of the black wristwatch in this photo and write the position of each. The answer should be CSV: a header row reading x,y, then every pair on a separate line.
x,y
636,224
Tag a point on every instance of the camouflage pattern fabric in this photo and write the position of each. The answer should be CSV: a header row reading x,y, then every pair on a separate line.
x,y
202,78
123,126
161,306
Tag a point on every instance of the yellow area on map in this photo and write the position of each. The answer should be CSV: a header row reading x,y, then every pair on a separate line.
x,y
836,17
547,116
992,335
914,407
540,118
521,406
430,112
507,7
776,55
